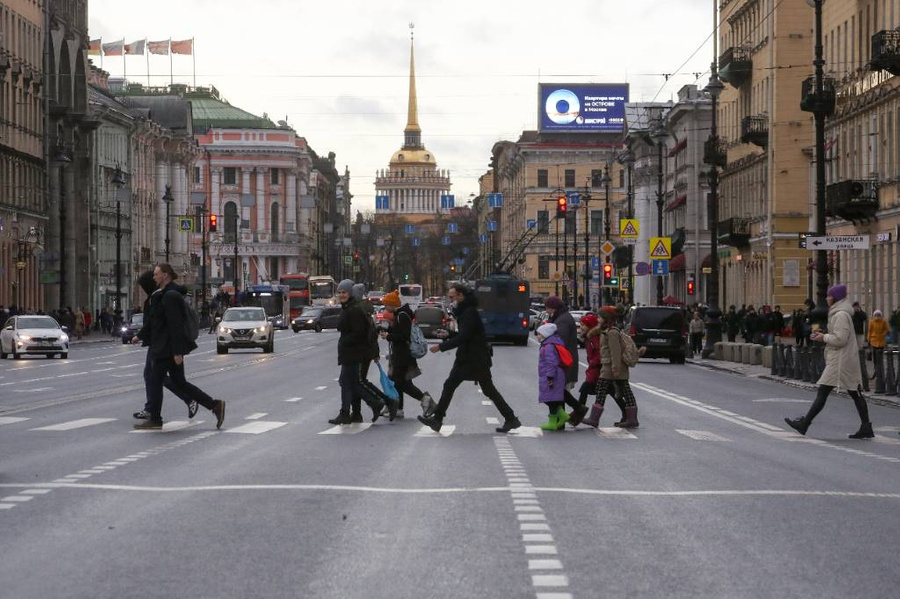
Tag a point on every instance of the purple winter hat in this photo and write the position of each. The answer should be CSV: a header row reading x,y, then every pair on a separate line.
x,y
554,303
838,292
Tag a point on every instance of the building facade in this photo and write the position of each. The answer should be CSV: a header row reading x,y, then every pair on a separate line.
x,y
764,190
22,200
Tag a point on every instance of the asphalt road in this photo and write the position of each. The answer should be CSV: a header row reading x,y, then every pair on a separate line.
x,y
713,496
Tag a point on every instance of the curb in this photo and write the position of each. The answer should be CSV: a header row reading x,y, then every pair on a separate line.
x,y
880,399
94,341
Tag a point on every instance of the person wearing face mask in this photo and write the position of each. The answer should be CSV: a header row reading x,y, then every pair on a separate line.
x,y
841,364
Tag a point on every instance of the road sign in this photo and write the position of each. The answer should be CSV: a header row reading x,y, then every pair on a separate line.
x,y
707,270
348,260
642,269
595,262
410,229
186,224
557,276
495,200
660,248
629,228
445,240
838,242
531,223
624,284
416,242
607,248
660,268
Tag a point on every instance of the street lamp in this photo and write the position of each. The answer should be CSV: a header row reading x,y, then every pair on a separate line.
x,y
626,158
659,136
168,199
62,159
820,314
118,181
22,242
713,314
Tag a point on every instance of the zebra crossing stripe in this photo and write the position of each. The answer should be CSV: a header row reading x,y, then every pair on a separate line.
x,y
74,424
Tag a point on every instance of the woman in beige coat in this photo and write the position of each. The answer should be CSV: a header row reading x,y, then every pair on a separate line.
x,y
841,364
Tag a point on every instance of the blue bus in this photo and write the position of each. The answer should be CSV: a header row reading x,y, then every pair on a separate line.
x,y
504,302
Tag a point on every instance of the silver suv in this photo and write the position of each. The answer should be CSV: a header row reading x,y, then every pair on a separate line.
x,y
244,328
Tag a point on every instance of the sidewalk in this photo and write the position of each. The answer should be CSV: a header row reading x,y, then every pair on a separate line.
x,y
761,372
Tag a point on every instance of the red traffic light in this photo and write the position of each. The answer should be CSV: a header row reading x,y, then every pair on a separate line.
x,y
213,222
562,204
607,271
356,255
690,288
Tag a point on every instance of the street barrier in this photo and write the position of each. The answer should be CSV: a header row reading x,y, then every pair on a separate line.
x,y
878,361
773,358
719,351
795,357
782,350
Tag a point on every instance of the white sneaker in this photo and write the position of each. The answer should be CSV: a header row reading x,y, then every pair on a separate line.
x,y
399,415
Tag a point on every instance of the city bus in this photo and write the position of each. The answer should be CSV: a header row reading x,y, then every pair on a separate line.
x,y
298,283
504,302
322,290
274,299
412,294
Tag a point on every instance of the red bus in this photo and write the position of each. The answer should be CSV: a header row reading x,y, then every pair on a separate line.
x,y
298,283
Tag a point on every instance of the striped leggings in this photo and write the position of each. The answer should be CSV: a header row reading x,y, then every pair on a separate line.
x,y
619,389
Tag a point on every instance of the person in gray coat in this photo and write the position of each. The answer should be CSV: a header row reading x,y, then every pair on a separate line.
x,y
567,331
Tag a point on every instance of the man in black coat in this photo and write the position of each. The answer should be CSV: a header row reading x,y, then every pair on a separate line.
x,y
473,361
164,330
732,323
357,347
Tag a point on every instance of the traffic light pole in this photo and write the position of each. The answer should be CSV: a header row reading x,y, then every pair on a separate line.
x,y
204,307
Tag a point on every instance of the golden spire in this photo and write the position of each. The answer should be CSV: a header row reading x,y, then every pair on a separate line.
x,y
412,121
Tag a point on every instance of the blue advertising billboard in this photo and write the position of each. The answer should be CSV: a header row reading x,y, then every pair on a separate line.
x,y
582,107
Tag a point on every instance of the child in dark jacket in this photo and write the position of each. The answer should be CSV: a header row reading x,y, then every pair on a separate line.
x,y
552,377
590,330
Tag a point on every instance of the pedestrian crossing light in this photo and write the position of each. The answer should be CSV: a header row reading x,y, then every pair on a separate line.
x,y
562,205
406,277
356,256
213,222
690,287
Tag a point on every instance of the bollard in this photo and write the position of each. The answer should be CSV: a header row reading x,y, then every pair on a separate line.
x,y
818,361
892,378
862,370
783,352
789,361
774,365
878,360
798,371
806,363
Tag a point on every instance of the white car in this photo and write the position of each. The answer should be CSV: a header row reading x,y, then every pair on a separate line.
x,y
245,328
39,335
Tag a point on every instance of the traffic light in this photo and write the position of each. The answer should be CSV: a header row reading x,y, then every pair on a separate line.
x,y
406,277
607,274
356,256
690,286
213,222
562,204
452,268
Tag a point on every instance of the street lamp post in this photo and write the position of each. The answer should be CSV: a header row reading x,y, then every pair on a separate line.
x,y
820,314
659,136
713,313
168,199
627,158
586,202
237,285
607,224
204,243
119,182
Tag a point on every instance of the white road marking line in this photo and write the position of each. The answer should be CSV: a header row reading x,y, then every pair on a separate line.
x,y
531,517
347,429
781,400
17,498
544,564
256,416
11,419
293,399
540,550
492,420
487,402
534,526
550,580
91,471
7,506
537,538
525,501
73,424
426,431
554,596
528,508
101,370
702,435
171,426
886,440
526,431
321,387
37,390
77,476
256,428
105,363
614,433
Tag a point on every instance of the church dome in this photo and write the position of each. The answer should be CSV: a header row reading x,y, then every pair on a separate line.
x,y
413,156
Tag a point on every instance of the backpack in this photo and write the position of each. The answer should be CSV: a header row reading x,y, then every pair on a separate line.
x,y
191,319
418,347
565,356
630,354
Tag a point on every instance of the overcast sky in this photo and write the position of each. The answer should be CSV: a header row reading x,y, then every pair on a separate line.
x,y
338,70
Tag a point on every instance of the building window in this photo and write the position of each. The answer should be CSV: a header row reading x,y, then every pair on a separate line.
x,y
570,223
542,178
275,220
543,267
275,176
621,178
570,177
231,222
229,176
543,221
596,222
196,175
596,177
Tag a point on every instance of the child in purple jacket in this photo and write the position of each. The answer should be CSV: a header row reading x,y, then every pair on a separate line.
x,y
552,377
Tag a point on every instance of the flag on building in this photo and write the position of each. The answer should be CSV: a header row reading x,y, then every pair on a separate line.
x,y
114,48
136,47
183,47
94,47
158,47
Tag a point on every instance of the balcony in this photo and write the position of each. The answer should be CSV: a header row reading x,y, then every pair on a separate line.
x,y
809,102
735,66
886,52
734,232
755,130
855,201
714,153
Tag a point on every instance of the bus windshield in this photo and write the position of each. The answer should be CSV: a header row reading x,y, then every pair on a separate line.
x,y
295,283
501,296
322,290
272,303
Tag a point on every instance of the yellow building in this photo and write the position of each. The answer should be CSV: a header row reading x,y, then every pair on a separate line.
x,y
765,190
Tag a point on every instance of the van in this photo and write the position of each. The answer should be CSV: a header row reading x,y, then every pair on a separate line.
x,y
660,329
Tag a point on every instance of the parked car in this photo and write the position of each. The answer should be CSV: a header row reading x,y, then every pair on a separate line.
x,y
39,335
130,329
245,328
432,318
660,329
317,318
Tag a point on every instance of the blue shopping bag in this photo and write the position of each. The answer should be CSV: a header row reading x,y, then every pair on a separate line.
x,y
387,385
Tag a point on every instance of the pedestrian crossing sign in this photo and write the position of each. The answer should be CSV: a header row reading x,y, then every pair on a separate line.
x,y
629,228
186,223
661,248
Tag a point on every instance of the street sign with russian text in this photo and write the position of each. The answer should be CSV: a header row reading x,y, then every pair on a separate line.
x,y
838,242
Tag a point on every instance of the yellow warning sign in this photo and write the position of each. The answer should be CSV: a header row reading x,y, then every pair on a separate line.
x,y
660,248
629,228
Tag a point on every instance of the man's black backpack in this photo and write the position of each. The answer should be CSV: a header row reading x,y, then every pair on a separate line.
x,y
191,320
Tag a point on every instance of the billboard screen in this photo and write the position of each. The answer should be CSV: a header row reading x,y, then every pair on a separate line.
x,y
582,107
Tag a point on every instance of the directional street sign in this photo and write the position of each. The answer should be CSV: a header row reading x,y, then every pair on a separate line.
x,y
629,228
607,248
595,262
660,248
531,223
838,242
660,268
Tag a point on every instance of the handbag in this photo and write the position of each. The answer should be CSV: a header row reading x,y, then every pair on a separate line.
x,y
387,385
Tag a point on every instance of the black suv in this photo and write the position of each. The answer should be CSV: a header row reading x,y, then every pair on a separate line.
x,y
316,318
662,330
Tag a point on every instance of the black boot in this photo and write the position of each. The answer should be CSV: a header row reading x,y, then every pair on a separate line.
x,y
510,424
433,422
798,424
356,416
342,418
377,408
865,432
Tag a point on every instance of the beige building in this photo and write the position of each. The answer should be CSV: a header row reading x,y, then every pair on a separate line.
x,y
22,201
862,54
766,188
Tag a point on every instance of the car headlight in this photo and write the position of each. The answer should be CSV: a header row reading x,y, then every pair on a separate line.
x,y
224,330
310,321
64,338
23,337
124,329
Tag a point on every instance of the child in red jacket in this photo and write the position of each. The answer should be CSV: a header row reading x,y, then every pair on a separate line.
x,y
591,333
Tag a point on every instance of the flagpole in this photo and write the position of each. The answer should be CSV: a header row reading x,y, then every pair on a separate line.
x,y
171,76
147,56
124,64
194,56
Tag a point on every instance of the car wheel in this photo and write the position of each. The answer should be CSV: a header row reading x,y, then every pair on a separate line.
x,y
296,330
318,328
221,349
16,356
64,356
268,349
124,341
